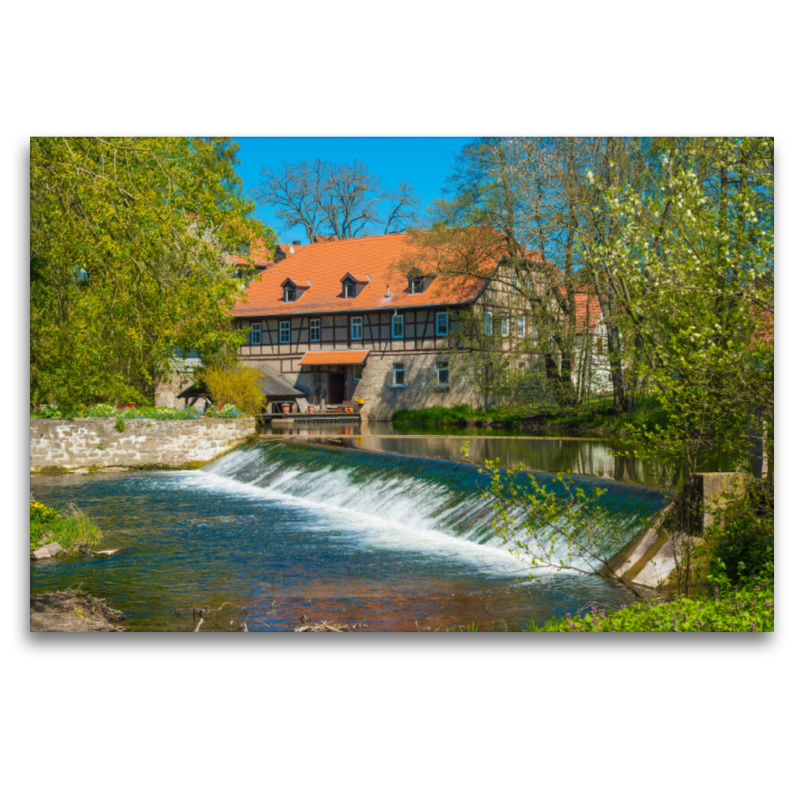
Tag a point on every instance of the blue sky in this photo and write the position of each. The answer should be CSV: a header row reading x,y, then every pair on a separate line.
x,y
422,162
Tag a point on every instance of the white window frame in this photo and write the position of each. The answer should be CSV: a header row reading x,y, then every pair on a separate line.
x,y
255,333
442,365
285,328
349,289
442,316
520,326
360,322
488,323
415,286
504,325
289,294
358,371
402,319
398,367
312,328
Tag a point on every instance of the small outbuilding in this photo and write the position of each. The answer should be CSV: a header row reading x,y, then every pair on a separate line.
x,y
278,391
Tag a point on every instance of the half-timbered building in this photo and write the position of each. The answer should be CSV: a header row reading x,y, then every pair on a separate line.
x,y
344,320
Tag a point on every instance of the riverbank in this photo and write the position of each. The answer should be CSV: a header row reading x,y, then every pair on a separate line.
x,y
73,611
596,416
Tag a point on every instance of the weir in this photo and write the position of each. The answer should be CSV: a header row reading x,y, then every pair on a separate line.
x,y
422,494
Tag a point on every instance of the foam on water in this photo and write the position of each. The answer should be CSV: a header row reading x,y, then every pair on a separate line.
x,y
386,501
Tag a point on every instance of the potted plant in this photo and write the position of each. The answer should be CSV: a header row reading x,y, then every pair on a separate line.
x,y
286,408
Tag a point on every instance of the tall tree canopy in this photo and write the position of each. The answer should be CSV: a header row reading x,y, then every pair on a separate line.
x,y
331,199
127,261
691,257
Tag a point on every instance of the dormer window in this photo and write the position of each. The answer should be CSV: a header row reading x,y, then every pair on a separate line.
x,y
294,290
353,285
415,286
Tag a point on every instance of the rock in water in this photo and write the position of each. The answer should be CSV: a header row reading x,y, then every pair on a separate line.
x,y
48,551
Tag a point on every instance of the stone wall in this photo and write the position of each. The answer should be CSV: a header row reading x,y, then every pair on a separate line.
x,y
167,391
382,399
96,442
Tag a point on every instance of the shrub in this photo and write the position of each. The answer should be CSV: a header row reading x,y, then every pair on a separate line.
x,y
747,608
237,387
42,514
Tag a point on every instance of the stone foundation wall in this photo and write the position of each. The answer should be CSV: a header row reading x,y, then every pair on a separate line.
x,y
97,443
382,399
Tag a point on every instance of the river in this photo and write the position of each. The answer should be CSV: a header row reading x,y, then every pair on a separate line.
x,y
359,534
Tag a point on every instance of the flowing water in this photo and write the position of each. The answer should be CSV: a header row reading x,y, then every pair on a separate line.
x,y
276,531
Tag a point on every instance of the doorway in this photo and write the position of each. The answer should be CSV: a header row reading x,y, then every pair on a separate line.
x,y
336,388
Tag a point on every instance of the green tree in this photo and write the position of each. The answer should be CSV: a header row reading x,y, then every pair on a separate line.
x,y
694,250
127,257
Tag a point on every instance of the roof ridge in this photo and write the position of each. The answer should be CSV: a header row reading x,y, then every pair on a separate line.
x,y
358,238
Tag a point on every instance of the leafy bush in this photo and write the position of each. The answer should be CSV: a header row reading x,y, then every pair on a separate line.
x,y
47,412
741,539
42,514
238,387
747,608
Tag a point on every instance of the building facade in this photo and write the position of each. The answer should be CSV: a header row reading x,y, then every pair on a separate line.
x,y
350,321
374,320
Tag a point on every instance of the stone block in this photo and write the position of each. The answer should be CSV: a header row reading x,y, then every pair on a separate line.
x,y
48,551
708,492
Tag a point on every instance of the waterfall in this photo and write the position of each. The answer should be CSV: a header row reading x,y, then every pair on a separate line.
x,y
423,495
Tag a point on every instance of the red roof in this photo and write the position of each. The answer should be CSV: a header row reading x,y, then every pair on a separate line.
x,y
587,311
381,261
334,357
260,255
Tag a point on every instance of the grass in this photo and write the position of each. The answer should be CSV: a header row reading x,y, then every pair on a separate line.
x,y
596,413
72,529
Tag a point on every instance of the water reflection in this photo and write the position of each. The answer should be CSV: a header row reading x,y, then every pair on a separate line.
x,y
614,458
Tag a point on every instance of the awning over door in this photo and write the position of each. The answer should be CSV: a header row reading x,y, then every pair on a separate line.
x,y
319,357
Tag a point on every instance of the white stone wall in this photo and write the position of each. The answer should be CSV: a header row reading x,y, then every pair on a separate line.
x,y
96,442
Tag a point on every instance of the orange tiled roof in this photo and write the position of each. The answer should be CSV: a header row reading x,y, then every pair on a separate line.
x,y
587,311
324,264
334,357
261,256
765,325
